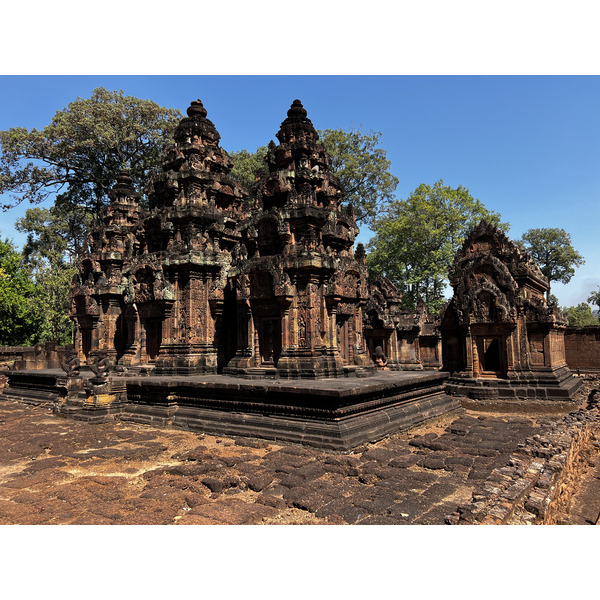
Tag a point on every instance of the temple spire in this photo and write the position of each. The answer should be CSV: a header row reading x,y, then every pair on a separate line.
x,y
196,109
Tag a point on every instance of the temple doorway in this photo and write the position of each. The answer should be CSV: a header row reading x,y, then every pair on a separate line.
x,y
86,342
343,340
121,341
490,356
270,341
226,327
153,338
373,342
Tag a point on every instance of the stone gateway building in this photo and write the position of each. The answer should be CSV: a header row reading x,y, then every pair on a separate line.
x,y
500,337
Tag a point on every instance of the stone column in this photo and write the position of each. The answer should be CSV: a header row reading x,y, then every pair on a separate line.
x,y
470,353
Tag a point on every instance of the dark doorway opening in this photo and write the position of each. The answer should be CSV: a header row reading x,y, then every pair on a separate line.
x,y
491,360
121,340
153,337
270,341
491,356
86,342
227,330
343,340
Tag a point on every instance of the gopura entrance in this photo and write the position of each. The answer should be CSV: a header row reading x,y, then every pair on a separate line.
x,y
501,338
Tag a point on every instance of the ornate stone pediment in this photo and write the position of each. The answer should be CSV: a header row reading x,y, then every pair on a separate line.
x,y
493,278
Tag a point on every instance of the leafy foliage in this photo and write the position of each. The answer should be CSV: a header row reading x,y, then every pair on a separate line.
x,y
80,153
417,239
580,315
51,297
363,169
594,297
19,315
76,158
248,165
53,239
552,250
54,235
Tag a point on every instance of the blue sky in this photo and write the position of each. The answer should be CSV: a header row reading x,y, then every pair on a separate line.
x,y
526,146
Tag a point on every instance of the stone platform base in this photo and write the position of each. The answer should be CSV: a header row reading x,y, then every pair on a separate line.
x,y
36,387
331,414
338,415
531,387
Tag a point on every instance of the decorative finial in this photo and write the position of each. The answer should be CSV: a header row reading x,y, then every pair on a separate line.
x,y
124,178
196,109
297,110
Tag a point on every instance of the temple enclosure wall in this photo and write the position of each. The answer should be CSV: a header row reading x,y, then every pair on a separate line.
x,y
582,347
42,356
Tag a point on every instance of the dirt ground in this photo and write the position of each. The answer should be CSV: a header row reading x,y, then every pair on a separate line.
x,y
55,470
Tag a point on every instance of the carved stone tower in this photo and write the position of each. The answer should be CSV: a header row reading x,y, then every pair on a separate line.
x,y
188,242
100,287
206,281
301,290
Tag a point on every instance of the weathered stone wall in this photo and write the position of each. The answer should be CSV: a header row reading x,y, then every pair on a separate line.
x,y
582,347
46,356
537,484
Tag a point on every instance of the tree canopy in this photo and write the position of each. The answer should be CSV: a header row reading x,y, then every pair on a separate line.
x,y
361,166
80,153
552,250
580,315
19,315
76,159
594,297
247,165
54,235
417,239
53,240
363,169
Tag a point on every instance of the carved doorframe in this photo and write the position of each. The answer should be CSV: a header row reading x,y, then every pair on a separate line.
x,y
483,344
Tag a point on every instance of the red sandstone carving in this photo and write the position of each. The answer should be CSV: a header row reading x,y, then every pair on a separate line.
x,y
206,281
499,326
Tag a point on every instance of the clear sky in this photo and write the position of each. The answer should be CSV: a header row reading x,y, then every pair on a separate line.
x,y
526,146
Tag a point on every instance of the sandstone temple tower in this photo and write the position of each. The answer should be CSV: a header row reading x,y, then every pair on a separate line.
x,y
206,281
300,290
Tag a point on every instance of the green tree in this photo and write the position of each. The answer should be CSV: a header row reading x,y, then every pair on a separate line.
x,y
580,315
76,159
552,250
54,235
80,153
594,297
51,298
363,169
417,239
247,165
53,239
361,166
19,315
